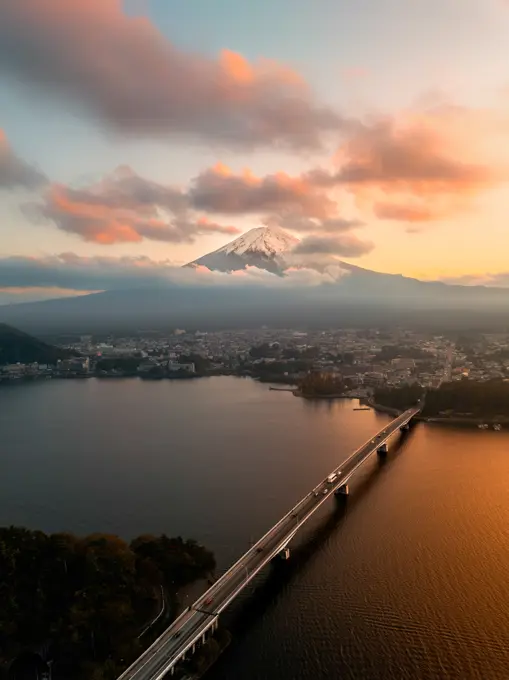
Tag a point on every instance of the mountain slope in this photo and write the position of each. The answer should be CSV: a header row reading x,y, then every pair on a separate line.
x,y
360,297
262,247
16,346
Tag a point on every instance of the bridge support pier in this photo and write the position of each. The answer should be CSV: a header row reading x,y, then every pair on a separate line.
x,y
343,491
284,554
382,450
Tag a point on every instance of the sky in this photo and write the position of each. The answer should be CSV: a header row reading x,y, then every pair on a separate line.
x,y
136,136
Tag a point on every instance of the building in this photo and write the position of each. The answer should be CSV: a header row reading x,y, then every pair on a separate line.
x,y
174,366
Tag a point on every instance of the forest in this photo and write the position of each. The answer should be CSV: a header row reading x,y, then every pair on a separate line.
x,y
89,598
398,397
469,398
317,384
463,398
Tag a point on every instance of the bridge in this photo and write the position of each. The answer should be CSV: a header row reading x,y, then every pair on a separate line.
x,y
190,629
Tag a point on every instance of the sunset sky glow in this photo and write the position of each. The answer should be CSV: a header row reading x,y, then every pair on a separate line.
x,y
149,132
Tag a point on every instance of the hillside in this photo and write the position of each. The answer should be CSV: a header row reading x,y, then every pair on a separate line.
x,y
360,297
16,346
358,300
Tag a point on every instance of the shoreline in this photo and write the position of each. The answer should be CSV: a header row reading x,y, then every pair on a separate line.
x,y
285,387
339,395
443,420
383,409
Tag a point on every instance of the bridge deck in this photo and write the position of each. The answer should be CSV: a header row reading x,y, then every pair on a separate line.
x,y
190,626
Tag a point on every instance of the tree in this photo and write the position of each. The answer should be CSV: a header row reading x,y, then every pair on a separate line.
x,y
321,384
92,595
399,398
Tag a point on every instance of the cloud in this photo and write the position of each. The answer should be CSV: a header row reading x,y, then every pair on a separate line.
x,y
14,172
36,294
345,245
353,74
305,224
219,190
124,208
130,76
391,152
71,272
416,167
404,213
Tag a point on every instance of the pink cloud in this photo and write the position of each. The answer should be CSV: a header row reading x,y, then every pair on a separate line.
x,y
417,167
125,208
125,72
219,190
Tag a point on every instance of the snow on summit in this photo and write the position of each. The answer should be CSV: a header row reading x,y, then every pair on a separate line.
x,y
270,241
263,247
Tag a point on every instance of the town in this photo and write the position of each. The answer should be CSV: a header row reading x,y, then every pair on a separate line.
x,y
364,358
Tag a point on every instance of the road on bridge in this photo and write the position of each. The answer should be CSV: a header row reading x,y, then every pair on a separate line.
x,y
191,625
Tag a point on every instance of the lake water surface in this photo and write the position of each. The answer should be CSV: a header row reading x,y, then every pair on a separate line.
x,y
409,579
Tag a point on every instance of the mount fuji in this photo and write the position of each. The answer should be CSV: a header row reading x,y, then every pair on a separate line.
x,y
359,297
262,247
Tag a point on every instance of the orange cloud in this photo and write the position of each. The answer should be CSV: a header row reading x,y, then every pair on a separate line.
x,y
237,67
418,167
124,208
93,222
137,81
405,213
414,168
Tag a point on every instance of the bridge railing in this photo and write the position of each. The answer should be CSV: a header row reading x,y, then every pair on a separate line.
x,y
222,579
402,417
152,647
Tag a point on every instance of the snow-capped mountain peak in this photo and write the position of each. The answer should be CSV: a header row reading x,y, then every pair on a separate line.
x,y
263,247
270,241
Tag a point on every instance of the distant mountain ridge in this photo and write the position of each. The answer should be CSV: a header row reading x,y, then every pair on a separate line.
x,y
359,298
16,346
262,247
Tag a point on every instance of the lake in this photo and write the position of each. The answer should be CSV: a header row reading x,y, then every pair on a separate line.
x,y
407,580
